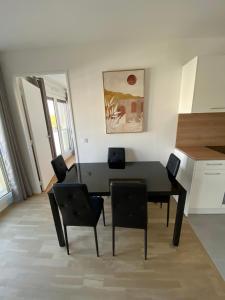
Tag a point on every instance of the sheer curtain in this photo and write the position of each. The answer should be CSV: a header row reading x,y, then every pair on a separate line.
x,y
9,146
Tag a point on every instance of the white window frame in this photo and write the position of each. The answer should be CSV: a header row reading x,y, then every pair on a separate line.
x,y
55,103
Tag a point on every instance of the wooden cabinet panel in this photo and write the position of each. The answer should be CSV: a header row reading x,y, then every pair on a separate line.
x,y
201,129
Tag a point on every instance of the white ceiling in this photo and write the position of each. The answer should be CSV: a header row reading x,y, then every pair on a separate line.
x,y
46,23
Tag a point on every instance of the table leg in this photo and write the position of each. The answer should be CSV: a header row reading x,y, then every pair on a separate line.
x,y
179,217
57,220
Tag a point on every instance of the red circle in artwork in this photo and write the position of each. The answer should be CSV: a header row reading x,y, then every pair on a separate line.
x,y
131,79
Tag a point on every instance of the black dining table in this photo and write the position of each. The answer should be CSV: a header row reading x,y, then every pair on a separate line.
x,y
97,177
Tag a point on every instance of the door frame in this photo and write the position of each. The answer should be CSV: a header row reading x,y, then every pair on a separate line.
x,y
41,85
18,96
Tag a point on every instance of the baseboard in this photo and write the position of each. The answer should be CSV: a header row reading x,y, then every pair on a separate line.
x,y
220,210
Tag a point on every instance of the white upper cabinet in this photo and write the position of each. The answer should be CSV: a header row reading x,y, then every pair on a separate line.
x,y
203,85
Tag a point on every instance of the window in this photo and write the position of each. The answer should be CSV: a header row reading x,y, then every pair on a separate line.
x,y
4,188
60,122
64,124
53,119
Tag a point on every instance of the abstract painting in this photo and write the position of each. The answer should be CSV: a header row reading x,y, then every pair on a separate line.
x,y
124,100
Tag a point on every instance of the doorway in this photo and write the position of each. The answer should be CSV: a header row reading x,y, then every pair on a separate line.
x,y
49,120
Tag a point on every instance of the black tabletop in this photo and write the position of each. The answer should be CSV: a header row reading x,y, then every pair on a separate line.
x,y
97,177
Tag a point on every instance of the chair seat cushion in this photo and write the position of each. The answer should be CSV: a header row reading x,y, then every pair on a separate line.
x,y
96,203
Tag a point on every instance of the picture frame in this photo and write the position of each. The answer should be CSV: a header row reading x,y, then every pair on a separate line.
x,y
124,100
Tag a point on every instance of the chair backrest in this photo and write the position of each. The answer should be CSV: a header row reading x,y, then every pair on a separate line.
x,y
129,204
59,167
116,158
74,204
173,165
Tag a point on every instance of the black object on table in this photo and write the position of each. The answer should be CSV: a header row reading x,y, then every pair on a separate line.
x,y
97,177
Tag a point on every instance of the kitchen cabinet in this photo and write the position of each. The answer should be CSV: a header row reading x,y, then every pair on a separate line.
x,y
203,85
204,181
208,186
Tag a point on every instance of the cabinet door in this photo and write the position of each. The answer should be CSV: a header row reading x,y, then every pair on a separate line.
x,y
187,86
209,92
208,189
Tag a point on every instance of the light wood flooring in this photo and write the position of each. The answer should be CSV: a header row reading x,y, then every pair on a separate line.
x,y
33,266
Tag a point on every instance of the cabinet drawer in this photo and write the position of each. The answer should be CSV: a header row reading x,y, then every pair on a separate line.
x,y
212,165
216,109
208,189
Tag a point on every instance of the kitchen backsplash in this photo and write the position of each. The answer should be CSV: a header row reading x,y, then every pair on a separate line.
x,y
201,129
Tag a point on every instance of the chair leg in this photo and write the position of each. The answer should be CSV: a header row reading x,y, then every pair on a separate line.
x,y
161,204
66,238
103,214
113,240
96,241
146,243
168,213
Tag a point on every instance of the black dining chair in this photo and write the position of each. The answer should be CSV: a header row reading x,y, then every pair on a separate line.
x,y
60,167
78,208
116,158
129,208
172,167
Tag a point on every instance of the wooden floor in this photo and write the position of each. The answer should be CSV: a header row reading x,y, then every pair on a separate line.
x,y
33,266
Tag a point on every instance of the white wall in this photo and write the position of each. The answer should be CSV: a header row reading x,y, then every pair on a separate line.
x,y
85,64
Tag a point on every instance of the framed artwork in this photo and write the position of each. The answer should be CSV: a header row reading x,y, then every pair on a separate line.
x,y
124,100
